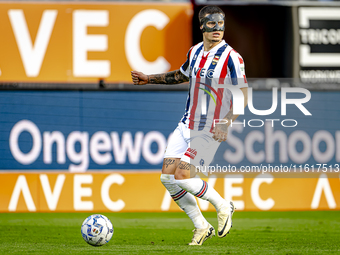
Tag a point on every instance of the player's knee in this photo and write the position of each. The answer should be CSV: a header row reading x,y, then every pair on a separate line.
x,y
181,175
184,171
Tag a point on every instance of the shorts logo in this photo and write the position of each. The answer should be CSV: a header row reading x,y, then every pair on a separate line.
x,y
202,162
191,153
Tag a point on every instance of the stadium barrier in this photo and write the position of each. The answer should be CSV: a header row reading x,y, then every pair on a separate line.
x,y
143,191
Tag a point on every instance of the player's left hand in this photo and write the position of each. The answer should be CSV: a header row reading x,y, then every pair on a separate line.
x,y
139,78
220,132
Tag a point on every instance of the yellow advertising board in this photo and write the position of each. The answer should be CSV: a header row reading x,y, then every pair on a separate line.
x,y
143,191
85,42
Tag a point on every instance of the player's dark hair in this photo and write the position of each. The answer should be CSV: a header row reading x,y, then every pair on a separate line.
x,y
210,9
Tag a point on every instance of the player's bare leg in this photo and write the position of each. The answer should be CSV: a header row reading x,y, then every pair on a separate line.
x,y
184,200
184,178
170,165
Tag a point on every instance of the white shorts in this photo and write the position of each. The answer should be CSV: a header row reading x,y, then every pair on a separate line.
x,y
194,147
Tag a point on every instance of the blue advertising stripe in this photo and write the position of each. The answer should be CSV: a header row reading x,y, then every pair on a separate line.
x,y
72,124
105,130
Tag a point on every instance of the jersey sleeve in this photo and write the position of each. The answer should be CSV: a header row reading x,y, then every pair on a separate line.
x,y
237,69
186,66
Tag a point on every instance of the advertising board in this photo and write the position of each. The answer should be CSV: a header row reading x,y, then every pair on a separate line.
x,y
84,42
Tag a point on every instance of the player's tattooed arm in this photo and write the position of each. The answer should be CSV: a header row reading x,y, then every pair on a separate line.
x,y
174,77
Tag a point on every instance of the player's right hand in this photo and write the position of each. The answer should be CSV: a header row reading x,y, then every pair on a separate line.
x,y
139,78
220,132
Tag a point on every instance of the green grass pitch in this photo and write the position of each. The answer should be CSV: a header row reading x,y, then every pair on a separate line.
x,y
316,232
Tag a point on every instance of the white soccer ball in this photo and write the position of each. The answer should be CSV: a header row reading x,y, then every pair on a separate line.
x,y
97,230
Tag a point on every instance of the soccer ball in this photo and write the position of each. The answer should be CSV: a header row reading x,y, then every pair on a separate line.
x,y
97,230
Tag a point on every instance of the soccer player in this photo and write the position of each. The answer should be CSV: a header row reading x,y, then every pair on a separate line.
x,y
197,138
